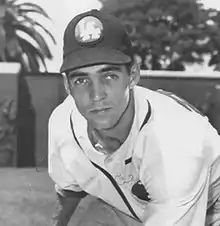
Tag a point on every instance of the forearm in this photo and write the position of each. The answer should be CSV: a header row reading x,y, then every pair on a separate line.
x,y
66,205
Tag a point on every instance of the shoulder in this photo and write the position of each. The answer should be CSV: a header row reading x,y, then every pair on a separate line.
x,y
177,128
171,146
62,111
59,121
168,104
59,126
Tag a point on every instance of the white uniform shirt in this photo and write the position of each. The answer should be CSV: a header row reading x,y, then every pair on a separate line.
x,y
176,156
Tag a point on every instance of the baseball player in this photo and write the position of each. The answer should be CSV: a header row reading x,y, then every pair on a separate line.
x,y
148,157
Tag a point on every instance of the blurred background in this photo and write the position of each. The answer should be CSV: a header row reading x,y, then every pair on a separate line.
x,y
176,42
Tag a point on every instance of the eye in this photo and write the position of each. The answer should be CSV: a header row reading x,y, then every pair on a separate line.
x,y
81,81
111,76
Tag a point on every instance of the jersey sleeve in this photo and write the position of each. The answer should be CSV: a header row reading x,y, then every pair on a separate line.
x,y
177,184
56,167
212,145
183,204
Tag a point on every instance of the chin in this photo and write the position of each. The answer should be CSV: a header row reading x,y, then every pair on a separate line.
x,y
103,125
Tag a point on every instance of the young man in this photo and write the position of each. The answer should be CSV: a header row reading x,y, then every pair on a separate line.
x,y
148,156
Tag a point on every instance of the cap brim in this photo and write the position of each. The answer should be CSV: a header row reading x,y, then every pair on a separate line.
x,y
93,56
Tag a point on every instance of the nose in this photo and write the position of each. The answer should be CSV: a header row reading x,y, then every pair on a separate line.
x,y
97,93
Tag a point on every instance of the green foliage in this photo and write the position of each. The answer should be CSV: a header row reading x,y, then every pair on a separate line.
x,y
168,34
23,38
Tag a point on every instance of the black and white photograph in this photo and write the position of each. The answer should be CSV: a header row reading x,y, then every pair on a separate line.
x,y
110,113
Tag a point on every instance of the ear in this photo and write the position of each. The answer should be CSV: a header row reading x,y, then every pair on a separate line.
x,y
134,75
66,84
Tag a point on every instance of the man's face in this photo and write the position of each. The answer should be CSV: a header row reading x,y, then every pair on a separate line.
x,y
101,93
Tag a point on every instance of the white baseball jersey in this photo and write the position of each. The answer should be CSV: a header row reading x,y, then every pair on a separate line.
x,y
163,174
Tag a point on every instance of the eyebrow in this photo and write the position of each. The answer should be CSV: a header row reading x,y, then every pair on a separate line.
x,y
102,70
110,68
77,74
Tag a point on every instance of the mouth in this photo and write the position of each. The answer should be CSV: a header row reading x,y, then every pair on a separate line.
x,y
100,111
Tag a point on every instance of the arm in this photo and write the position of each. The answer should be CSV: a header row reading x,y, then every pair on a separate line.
x,y
67,202
177,180
212,143
68,192
183,201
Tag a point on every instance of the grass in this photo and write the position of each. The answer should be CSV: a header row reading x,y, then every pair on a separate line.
x,y
27,197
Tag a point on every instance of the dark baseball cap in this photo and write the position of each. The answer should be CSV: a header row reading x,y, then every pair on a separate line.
x,y
94,38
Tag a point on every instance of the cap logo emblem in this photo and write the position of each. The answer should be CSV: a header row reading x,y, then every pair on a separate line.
x,y
88,30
